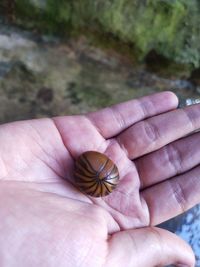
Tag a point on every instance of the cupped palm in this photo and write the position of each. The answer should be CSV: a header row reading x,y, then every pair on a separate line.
x,y
49,222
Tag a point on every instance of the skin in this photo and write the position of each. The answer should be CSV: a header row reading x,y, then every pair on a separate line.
x,y
46,221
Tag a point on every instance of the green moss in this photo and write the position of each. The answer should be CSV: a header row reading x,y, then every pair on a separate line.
x,y
28,11
54,18
169,27
149,26
60,14
166,68
89,95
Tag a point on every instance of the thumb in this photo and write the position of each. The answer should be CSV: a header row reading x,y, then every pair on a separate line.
x,y
148,247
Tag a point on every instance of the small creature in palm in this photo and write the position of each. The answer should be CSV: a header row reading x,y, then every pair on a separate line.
x,y
95,174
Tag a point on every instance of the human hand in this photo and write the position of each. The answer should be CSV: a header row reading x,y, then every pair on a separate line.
x,y
46,221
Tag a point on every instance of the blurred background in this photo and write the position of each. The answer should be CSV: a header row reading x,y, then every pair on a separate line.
x,y
70,57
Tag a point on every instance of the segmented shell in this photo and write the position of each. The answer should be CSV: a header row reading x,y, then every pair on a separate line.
x,y
95,174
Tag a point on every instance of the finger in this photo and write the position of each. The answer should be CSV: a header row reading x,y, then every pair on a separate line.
x,y
112,120
173,196
173,159
151,134
78,134
150,247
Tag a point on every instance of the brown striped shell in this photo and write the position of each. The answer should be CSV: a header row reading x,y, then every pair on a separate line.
x,y
95,174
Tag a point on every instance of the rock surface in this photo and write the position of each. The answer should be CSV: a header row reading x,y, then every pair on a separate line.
x,y
42,76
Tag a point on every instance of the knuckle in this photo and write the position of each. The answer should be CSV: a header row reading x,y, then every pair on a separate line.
x,y
151,132
189,114
123,146
146,107
179,194
118,117
174,157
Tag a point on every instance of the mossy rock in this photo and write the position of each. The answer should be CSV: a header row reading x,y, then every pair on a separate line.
x,y
170,27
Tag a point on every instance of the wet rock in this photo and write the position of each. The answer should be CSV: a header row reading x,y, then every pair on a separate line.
x,y
165,67
45,94
195,76
187,226
4,68
47,77
13,41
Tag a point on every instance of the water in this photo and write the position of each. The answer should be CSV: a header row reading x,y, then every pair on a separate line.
x,y
187,226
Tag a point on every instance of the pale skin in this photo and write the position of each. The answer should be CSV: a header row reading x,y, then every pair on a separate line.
x,y
46,221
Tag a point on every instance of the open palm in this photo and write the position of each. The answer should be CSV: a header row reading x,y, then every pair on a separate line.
x,y
46,221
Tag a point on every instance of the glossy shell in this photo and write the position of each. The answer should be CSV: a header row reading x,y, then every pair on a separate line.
x,y
95,174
